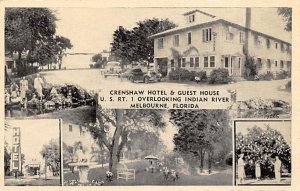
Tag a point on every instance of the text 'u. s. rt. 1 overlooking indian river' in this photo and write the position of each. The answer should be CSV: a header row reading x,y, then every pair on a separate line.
x,y
164,99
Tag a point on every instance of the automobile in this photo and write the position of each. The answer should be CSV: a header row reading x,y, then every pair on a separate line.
x,y
138,74
112,69
126,73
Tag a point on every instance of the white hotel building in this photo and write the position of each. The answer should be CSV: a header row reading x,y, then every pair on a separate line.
x,y
207,42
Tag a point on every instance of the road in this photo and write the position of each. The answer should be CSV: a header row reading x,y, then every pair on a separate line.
x,y
91,79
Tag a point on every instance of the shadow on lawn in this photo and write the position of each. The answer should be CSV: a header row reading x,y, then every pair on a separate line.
x,y
143,177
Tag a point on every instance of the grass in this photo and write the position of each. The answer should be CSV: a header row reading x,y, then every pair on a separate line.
x,y
32,182
147,178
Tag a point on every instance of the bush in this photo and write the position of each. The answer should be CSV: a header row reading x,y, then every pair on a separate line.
x,y
282,75
219,76
192,75
180,74
202,75
267,76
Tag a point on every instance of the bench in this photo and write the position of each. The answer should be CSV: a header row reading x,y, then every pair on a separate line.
x,y
124,173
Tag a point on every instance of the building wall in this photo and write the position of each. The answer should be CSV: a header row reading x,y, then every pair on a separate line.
x,y
221,46
71,133
197,48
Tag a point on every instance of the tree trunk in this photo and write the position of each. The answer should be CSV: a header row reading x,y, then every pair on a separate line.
x,y
19,63
210,156
202,154
113,152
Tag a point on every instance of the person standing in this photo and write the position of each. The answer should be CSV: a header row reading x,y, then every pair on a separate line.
x,y
257,170
241,169
277,169
23,87
38,85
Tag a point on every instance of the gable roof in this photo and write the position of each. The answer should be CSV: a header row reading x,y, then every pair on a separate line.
x,y
184,28
197,10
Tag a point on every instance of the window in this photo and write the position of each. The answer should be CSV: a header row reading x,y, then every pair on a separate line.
x,y
183,62
275,63
281,64
161,43
288,48
242,37
191,62
172,63
269,63
176,40
257,40
226,62
229,36
70,128
259,65
205,62
240,62
179,63
212,61
206,35
197,62
189,38
276,45
268,42
191,18
282,47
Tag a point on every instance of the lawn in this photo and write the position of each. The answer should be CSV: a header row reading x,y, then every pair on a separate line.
x,y
143,177
31,182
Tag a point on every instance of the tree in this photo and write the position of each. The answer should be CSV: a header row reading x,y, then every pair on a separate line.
x,y
263,145
199,133
62,44
286,13
135,44
30,32
51,154
7,158
99,62
25,28
113,128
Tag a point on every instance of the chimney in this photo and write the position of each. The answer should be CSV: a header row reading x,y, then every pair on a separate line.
x,y
248,26
248,17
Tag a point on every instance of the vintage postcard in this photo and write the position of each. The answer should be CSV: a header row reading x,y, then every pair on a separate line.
x,y
150,94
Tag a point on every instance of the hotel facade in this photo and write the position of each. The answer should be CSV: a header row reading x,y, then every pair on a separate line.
x,y
206,43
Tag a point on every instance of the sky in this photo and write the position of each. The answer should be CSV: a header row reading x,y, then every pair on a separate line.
x,y
90,29
284,127
34,134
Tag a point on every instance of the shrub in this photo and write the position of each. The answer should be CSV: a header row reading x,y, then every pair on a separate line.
x,y
282,75
179,74
219,76
192,75
202,75
250,68
267,76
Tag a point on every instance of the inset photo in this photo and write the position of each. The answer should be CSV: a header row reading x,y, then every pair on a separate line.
x,y
262,152
32,155
149,147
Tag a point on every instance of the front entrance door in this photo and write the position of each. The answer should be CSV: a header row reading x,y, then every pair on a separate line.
x,y
233,64
162,66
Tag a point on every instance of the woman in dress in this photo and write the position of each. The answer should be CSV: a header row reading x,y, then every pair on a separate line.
x,y
38,85
241,169
277,169
23,87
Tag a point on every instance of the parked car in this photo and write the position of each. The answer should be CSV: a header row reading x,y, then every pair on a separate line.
x,y
112,69
137,74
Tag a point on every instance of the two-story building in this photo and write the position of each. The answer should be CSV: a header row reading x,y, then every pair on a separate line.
x,y
207,42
